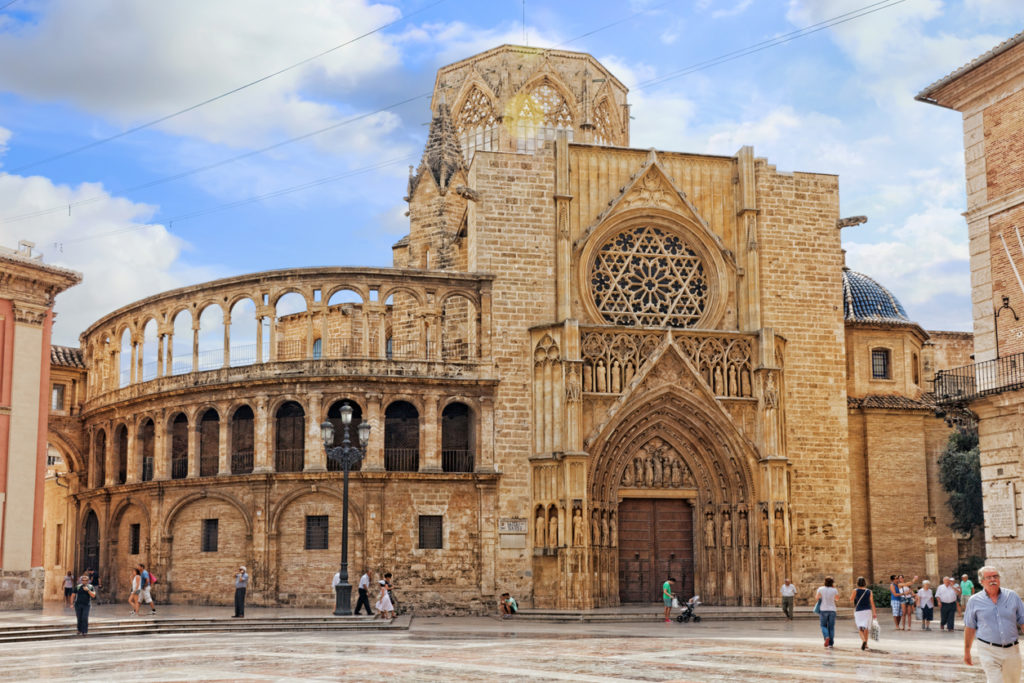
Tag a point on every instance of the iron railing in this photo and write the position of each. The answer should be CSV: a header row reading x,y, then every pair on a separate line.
x,y
208,466
402,459
179,468
289,459
147,469
457,461
973,381
241,462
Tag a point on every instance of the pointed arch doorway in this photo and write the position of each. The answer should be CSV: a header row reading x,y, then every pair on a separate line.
x,y
91,543
655,542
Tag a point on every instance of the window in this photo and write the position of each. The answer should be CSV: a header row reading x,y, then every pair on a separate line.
x,y
915,369
133,539
210,535
58,397
430,532
316,532
318,348
880,364
59,550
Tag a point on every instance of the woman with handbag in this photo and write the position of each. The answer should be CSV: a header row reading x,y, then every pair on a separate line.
x,y
826,609
864,612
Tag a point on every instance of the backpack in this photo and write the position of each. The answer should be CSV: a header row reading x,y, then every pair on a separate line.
x,y
152,579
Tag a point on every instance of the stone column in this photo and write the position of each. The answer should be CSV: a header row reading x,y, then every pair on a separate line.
x,y
430,438
111,467
160,359
193,448
195,345
161,450
261,438
134,472
227,339
224,452
374,458
259,338
169,354
485,436
315,457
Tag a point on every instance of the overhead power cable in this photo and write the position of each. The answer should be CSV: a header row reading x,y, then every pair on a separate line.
x,y
3,7
167,117
773,42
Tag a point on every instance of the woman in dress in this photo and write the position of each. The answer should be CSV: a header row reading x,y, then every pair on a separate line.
x,y
384,608
133,596
827,611
863,609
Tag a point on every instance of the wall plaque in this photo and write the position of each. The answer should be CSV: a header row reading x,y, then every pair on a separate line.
x,y
512,525
1001,516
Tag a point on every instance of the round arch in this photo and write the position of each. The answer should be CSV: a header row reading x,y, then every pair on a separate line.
x,y
168,523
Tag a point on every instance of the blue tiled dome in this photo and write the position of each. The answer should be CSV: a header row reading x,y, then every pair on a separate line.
x,y
866,300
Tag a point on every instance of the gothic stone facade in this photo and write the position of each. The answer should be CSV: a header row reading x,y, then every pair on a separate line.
x,y
591,366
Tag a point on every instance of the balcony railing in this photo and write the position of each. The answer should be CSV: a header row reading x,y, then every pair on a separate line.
x,y
457,461
147,469
241,462
208,466
179,468
402,459
988,377
289,459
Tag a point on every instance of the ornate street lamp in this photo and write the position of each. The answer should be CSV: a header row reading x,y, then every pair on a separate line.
x,y
346,455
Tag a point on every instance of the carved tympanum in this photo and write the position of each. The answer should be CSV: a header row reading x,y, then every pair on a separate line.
x,y
656,465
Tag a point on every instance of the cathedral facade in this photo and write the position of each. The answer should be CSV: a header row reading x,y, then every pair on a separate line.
x,y
590,368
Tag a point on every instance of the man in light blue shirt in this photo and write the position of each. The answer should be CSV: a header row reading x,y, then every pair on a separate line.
x,y
994,615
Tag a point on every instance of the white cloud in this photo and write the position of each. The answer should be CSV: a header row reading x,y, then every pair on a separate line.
x,y
5,135
996,10
155,58
739,8
138,259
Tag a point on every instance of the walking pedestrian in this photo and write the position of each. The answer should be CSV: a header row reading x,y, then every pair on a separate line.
x,y
994,615
947,597
966,591
84,593
146,594
926,601
666,596
391,592
133,594
384,607
69,589
364,592
827,611
241,583
864,611
788,594
895,599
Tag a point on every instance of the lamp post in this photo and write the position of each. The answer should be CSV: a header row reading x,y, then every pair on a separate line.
x,y
346,455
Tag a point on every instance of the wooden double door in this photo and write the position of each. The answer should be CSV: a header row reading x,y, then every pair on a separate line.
x,y
655,542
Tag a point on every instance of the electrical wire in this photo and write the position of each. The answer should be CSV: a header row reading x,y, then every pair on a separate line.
x,y
167,117
3,7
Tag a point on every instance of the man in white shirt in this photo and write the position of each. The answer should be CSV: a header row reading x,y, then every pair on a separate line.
x,y
788,593
364,592
947,596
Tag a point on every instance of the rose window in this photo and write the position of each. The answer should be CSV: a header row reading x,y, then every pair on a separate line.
x,y
648,276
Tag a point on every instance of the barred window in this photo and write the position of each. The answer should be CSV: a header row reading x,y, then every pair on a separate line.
x,y
134,534
57,402
430,532
880,364
210,535
316,532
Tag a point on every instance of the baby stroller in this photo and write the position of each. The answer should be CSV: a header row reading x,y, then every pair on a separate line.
x,y
687,611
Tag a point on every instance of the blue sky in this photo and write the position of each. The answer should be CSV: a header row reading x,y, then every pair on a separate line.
x,y
836,101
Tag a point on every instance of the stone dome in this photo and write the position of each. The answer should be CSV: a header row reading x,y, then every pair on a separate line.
x,y
864,300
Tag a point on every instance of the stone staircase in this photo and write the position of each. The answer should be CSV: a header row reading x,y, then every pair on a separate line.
x,y
144,626
654,613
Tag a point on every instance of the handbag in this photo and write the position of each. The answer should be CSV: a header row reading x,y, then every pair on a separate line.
x,y
817,606
675,602
875,629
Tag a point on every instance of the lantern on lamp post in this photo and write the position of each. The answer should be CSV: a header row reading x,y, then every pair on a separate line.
x,y
345,455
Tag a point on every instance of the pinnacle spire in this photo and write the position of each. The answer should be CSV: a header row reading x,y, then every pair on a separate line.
x,y
443,154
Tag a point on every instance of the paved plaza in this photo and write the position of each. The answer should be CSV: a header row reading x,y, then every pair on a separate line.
x,y
488,649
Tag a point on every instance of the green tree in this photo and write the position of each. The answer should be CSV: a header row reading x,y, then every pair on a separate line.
x,y
960,476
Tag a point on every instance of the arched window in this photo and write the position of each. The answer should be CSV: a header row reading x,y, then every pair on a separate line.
x,y
179,447
243,439
100,459
334,417
121,451
290,445
318,348
146,445
476,124
881,367
401,437
209,443
457,438
91,542
540,115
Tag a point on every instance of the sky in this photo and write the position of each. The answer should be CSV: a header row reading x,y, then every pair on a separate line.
x,y
212,193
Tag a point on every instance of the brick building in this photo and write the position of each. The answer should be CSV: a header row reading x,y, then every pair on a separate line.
x,y
989,92
28,288
590,367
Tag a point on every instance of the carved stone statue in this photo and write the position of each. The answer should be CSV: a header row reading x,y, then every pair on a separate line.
x,y
709,530
627,475
577,528
605,535
656,465
677,474
741,522
595,530
538,535
765,536
648,472
613,537
780,529
553,529
572,386
727,531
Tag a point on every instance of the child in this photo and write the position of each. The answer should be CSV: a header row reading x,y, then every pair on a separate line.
x,y
508,606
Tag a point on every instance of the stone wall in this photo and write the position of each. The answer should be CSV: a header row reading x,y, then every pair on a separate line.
x,y
21,589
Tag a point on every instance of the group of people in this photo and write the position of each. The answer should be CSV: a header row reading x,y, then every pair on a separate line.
x,y
385,604
950,597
